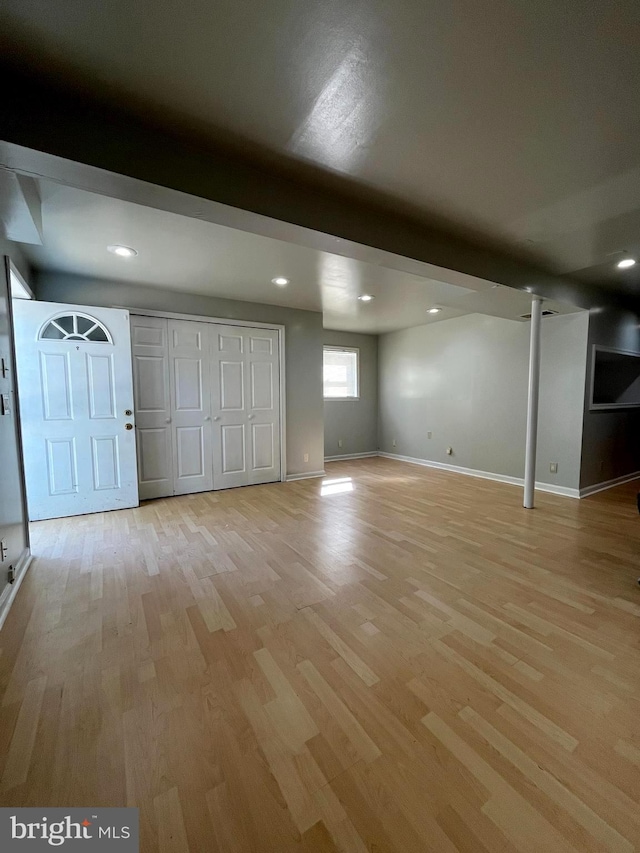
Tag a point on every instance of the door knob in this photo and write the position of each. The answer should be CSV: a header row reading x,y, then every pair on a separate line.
x,y
128,426
168,421
251,417
217,418
207,417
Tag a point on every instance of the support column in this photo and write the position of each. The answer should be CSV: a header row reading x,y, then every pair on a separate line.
x,y
532,409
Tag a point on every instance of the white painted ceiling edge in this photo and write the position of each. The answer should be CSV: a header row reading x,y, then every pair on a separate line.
x,y
192,245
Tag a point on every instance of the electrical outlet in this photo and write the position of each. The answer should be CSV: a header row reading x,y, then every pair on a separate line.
x,y
429,434
394,443
449,451
553,467
339,442
306,457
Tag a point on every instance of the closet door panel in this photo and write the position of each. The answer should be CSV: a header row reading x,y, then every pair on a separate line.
x,y
233,443
190,385
246,406
152,404
263,449
263,409
228,398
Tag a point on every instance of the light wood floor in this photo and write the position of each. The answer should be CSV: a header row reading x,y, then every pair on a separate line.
x,y
416,664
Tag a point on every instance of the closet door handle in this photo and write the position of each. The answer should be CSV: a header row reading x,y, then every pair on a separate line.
x,y
251,417
217,418
207,417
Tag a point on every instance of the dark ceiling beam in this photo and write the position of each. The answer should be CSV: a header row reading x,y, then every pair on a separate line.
x,y
66,120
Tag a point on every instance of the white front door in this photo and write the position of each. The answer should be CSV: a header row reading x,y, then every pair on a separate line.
x,y
76,401
245,406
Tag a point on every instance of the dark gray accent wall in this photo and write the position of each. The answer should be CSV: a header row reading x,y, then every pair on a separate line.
x,y
611,439
465,381
303,346
13,520
355,422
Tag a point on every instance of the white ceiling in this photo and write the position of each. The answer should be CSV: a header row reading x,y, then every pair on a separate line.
x,y
184,254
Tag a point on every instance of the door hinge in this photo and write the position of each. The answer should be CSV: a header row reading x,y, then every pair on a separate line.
x,y
3,368
5,405
3,549
12,574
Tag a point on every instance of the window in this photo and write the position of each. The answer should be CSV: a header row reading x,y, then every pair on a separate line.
x,y
75,327
340,373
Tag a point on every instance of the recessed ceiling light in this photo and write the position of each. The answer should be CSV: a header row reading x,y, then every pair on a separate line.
x,y
434,310
366,297
280,281
122,251
625,263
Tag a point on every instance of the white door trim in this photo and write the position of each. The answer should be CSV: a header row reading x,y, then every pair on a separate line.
x,y
9,268
173,315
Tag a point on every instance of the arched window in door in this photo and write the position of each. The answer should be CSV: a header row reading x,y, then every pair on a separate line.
x,y
75,327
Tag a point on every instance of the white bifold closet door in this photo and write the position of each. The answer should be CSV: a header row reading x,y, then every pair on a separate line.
x,y
190,387
152,403
207,398
246,405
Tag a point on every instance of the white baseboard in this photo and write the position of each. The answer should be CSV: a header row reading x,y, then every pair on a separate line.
x,y
608,484
11,591
309,476
367,455
484,475
565,491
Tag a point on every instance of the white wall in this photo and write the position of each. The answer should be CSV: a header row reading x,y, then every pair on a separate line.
x,y
465,381
355,422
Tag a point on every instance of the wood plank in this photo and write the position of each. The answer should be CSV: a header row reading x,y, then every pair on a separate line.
x,y
416,664
24,735
346,653
506,808
365,747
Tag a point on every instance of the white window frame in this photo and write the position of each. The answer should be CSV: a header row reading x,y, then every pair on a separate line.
x,y
74,335
355,350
